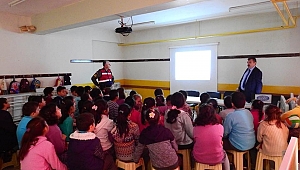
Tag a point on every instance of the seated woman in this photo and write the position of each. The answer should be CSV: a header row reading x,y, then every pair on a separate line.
x,y
272,134
179,122
208,134
160,142
125,134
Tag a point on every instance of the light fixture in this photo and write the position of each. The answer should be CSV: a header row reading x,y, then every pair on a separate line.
x,y
25,28
81,61
251,7
15,2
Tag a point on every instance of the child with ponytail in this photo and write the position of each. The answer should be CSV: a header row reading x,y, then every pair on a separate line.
x,y
66,121
125,134
36,152
257,113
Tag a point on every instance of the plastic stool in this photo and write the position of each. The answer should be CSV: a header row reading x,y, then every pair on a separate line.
x,y
130,165
186,158
238,158
200,166
14,162
260,160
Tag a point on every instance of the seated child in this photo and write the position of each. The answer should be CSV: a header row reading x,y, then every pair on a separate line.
x,y
272,134
160,142
85,151
66,121
36,152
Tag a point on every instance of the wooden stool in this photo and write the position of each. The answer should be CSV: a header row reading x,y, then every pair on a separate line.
x,y
260,161
186,158
130,165
200,166
14,162
238,158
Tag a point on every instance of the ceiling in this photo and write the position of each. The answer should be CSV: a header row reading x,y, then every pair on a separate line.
x,y
176,12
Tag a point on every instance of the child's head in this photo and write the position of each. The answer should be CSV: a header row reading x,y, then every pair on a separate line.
x,y
130,101
124,111
36,127
30,109
80,91
259,105
152,116
106,91
86,107
273,114
85,97
96,94
51,113
228,102
67,109
114,95
168,100
177,99
149,103
99,108
204,97
61,91
214,104
206,116
160,100
138,101
48,91
85,122
73,90
87,89
121,92
238,100
4,104
38,99
158,91
184,93
132,92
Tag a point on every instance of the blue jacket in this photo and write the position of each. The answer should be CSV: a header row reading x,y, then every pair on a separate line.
x,y
22,128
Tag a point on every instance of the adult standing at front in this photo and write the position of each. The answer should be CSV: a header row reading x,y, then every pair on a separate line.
x,y
104,76
251,82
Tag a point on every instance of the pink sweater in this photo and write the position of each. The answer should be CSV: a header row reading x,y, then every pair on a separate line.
x,y
255,114
208,147
42,156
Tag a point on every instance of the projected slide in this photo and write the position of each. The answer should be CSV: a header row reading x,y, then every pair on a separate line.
x,y
193,65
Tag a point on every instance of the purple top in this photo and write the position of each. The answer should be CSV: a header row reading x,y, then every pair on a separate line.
x,y
54,135
120,101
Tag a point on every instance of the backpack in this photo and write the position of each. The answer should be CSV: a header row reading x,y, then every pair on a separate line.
x,y
14,87
58,82
3,86
67,80
24,86
35,84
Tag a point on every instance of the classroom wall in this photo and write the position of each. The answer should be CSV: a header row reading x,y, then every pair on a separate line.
x,y
26,53
277,72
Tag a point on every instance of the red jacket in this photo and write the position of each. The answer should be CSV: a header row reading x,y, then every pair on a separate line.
x,y
104,75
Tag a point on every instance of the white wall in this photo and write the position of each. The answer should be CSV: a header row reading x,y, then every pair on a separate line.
x,y
24,53
276,71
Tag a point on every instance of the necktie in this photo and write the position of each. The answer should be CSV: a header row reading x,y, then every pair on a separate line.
x,y
246,76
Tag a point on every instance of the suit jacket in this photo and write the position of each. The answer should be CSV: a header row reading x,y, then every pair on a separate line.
x,y
253,85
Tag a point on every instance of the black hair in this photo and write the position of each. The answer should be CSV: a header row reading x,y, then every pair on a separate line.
x,y
122,119
73,88
113,94
148,103
84,121
238,99
184,93
87,89
206,116
48,90
152,116
228,102
168,98
29,108
132,92
60,88
252,58
48,112
85,97
2,102
130,101
158,91
38,99
95,93
177,99
99,107
65,107
160,100
121,92
204,97
213,102
80,91
172,116
106,90
259,105
69,98
85,107
104,62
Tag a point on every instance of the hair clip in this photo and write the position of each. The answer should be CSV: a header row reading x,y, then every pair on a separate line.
x,y
152,115
95,107
174,107
28,130
121,111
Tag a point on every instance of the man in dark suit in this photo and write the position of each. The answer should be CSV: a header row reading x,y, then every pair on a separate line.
x,y
251,82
